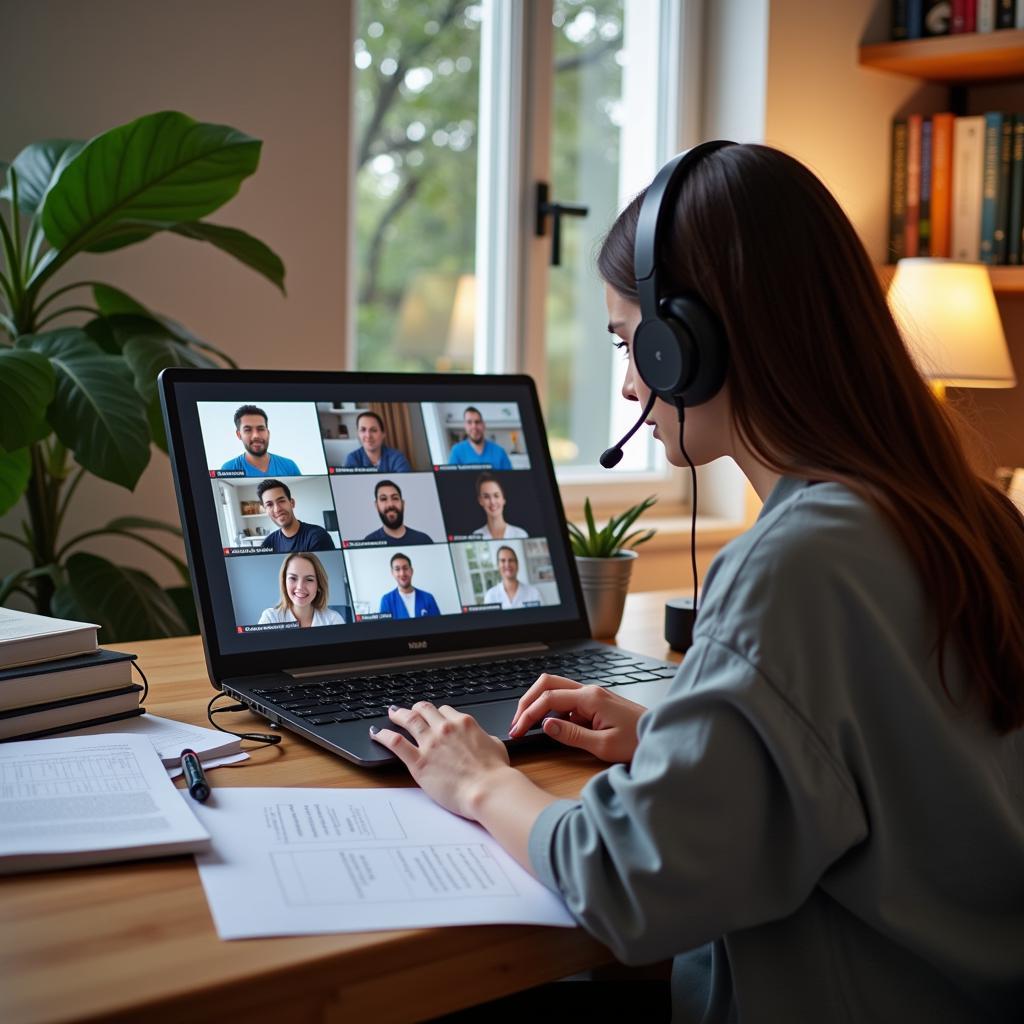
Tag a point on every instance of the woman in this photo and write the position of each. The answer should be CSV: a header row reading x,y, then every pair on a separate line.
x,y
832,793
304,592
511,592
491,498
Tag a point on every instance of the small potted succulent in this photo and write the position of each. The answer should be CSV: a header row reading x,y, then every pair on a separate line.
x,y
605,559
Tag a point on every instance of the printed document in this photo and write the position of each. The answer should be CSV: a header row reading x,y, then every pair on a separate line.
x,y
88,799
170,738
353,860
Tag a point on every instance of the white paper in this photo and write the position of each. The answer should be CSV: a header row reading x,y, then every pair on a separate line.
x,y
86,799
310,861
170,738
207,764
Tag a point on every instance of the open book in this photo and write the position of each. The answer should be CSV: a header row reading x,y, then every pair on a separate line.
x,y
89,799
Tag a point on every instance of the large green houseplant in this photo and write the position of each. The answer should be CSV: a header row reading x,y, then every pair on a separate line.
x,y
79,358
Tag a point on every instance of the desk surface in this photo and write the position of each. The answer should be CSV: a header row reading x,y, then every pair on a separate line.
x,y
135,941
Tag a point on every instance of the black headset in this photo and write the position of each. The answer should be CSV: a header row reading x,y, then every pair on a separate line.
x,y
679,347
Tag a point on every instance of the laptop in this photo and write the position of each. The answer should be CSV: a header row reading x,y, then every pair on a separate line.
x,y
358,540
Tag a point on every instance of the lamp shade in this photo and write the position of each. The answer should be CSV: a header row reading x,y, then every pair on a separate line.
x,y
947,315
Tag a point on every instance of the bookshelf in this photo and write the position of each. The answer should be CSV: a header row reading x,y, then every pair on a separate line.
x,y
954,60
972,58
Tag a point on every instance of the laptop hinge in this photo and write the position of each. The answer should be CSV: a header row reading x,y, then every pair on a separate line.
x,y
414,661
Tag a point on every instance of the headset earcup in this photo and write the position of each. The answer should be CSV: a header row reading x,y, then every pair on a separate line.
x,y
662,356
706,350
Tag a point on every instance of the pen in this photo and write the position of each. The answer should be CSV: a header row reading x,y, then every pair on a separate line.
x,y
195,778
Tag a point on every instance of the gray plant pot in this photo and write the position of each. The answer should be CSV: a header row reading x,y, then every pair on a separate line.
x,y
605,583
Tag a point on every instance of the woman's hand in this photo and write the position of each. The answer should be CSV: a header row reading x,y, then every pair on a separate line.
x,y
591,717
452,757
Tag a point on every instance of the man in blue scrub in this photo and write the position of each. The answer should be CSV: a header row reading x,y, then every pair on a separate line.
x,y
291,534
391,509
252,430
476,450
405,601
373,453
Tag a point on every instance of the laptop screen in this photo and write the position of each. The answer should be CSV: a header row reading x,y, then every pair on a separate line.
x,y
331,516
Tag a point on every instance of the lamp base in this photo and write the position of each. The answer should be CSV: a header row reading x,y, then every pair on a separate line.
x,y
679,618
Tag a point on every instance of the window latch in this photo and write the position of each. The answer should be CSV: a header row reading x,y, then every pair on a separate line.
x,y
546,207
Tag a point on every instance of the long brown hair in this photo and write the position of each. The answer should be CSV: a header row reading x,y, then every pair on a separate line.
x,y
822,387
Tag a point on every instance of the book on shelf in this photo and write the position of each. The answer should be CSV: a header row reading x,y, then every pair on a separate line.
x,y
1002,228
964,17
26,638
990,185
968,160
89,800
913,212
1015,227
898,190
924,216
50,681
70,713
942,183
956,184
917,19
935,17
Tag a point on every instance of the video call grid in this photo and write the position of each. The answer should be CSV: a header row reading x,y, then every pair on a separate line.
x,y
472,479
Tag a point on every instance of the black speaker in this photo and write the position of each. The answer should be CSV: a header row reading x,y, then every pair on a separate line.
x,y
679,347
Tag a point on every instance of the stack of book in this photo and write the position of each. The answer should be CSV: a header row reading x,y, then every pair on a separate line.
x,y
956,187
915,19
54,678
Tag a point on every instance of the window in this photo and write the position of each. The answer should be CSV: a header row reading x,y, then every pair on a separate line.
x,y
462,108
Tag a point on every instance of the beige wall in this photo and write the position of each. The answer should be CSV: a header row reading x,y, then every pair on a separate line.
x,y
274,70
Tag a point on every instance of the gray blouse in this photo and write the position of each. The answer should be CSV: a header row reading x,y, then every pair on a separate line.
x,y
807,799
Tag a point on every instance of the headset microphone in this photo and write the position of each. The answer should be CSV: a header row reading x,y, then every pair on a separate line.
x,y
613,456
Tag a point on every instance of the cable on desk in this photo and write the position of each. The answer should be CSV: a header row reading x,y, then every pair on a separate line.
x,y
145,682
263,739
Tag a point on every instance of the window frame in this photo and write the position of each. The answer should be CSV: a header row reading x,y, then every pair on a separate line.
x,y
514,130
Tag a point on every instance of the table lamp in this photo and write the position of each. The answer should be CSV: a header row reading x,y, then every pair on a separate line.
x,y
946,312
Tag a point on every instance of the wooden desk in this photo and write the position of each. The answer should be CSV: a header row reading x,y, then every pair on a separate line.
x,y
132,942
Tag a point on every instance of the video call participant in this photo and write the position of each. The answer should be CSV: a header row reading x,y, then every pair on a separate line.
x,y
491,498
291,535
476,449
405,601
304,594
510,592
251,428
391,509
374,453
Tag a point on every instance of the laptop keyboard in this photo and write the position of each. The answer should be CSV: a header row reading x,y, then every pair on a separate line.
x,y
346,698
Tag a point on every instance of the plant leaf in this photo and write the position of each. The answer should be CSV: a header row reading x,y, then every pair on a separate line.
x,y
158,170
186,605
37,166
147,356
128,604
588,513
15,469
142,523
26,389
96,411
117,305
111,301
244,247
